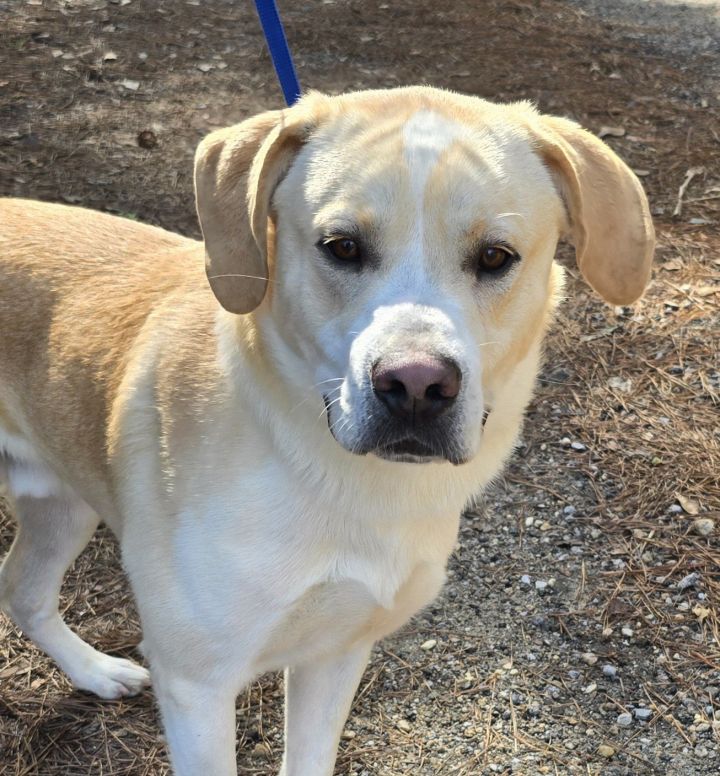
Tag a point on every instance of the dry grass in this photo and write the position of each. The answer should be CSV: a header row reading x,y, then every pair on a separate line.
x,y
646,403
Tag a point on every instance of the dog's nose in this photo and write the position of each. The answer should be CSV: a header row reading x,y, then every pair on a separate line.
x,y
417,390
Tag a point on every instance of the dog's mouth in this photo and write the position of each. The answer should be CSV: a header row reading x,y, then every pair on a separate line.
x,y
412,448
408,450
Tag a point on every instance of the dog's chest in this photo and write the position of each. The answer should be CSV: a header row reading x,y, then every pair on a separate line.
x,y
312,579
332,615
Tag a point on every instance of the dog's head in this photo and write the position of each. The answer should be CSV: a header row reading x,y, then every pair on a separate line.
x,y
398,245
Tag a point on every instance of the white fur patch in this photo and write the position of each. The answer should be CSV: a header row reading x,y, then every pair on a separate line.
x,y
35,480
26,474
425,136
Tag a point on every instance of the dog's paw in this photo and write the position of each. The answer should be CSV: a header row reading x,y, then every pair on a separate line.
x,y
111,677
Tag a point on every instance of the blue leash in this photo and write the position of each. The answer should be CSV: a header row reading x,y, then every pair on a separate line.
x,y
279,51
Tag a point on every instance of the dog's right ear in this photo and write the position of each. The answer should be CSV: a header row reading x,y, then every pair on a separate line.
x,y
236,172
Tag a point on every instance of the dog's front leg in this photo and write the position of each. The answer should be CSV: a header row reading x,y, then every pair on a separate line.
x,y
199,721
318,697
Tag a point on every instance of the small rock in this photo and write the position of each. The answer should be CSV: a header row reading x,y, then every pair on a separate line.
x,y
204,67
591,688
147,139
643,714
627,631
624,719
525,579
428,645
579,446
565,441
261,749
589,658
620,385
569,510
605,751
540,585
348,735
609,671
688,581
534,709
129,84
703,526
404,725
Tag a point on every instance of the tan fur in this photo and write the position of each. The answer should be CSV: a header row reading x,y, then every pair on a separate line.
x,y
184,391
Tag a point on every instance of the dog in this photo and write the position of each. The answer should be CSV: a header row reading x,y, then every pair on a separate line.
x,y
283,423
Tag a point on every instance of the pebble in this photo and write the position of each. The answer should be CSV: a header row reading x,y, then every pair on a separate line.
x,y
605,751
590,688
624,719
579,446
403,724
569,510
688,581
261,750
675,509
534,709
626,631
703,526
609,670
525,579
428,645
348,735
589,658
643,714
540,585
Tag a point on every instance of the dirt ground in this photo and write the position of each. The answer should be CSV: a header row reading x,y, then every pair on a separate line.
x,y
585,589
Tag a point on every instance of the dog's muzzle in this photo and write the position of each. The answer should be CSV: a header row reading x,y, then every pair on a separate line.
x,y
412,417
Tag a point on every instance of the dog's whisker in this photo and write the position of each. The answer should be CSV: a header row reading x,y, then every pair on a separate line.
x,y
238,275
327,406
312,395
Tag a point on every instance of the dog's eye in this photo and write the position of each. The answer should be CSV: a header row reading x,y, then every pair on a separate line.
x,y
494,258
343,249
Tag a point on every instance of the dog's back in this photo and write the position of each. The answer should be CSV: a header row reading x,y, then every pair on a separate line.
x,y
76,287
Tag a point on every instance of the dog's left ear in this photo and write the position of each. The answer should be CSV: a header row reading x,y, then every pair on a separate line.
x,y
236,172
610,223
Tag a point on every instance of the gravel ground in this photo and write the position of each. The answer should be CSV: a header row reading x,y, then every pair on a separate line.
x,y
578,632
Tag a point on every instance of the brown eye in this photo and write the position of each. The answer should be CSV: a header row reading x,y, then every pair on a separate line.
x,y
344,249
493,258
